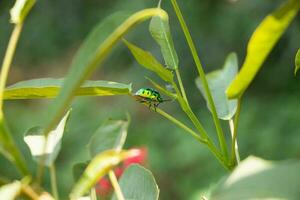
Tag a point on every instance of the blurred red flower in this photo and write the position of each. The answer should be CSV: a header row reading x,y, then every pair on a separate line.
x,y
104,187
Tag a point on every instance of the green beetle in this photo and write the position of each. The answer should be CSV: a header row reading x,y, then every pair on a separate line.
x,y
150,96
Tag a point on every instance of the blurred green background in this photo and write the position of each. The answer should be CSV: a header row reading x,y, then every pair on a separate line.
x,y
270,114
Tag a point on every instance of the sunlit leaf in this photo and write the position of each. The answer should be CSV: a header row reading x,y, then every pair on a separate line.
x,y
147,60
10,191
160,31
92,53
20,10
218,81
49,88
255,178
36,141
97,168
260,45
297,61
138,183
110,135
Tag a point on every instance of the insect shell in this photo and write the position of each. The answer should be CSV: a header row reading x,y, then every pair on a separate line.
x,y
150,96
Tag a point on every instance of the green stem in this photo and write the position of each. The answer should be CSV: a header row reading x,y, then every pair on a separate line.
x,y
11,48
53,181
115,184
235,158
206,141
190,42
181,85
181,125
29,192
93,194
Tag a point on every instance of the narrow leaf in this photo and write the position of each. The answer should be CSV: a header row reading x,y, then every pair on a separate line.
x,y
255,178
147,60
160,31
297,61
20,10
260,45
97,168
10,191
36,141
218,81
138,183
49,88
91,55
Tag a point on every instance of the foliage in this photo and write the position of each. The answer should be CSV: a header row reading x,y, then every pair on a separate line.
x,y
106,145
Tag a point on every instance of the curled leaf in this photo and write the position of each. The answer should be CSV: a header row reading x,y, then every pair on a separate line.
x,y
260,45
97,168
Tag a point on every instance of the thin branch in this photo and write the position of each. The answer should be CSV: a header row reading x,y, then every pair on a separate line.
x,y
190,42
235,158
115,184
53,181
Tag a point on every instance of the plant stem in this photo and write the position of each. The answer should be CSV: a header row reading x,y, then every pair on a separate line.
x,y
5,134
53,181
28,191
181,125
206,141
235,157
190,42
116,186
93,194
11,48
181,85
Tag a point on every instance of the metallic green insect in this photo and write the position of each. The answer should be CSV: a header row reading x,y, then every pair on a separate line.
x,y
150,96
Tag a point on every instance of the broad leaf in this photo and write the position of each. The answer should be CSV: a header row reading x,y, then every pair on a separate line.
x,y
78,170
255,178
97,168
218,81
91,55
10,191
138,183
49,88
110,135
297,61
147,60
36,141
160,31
260,45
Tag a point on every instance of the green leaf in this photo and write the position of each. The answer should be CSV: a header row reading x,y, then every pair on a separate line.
x,y
160,31
49,88
138,183
20,10
110,135
10,191
97,168
78,170
260,45
36,141
91,55
297,61
9,149
218,81
255,178
147,60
